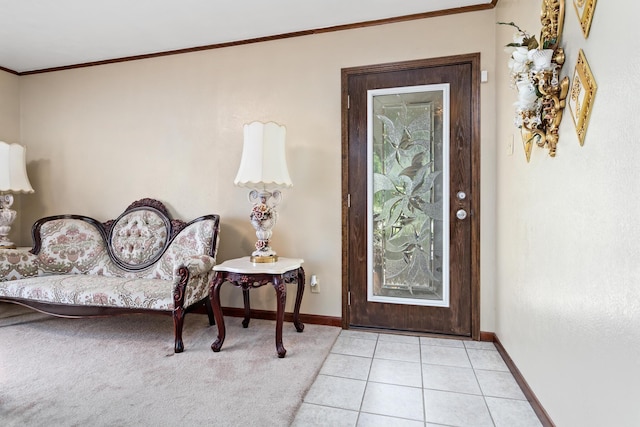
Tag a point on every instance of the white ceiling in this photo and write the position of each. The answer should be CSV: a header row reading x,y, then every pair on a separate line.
x,y
42,34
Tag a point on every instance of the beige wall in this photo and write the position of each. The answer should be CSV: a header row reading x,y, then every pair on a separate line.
x,y
568,292
9,107
10,133
171,128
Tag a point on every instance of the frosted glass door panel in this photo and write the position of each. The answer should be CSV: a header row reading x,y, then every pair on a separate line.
x,y
408,195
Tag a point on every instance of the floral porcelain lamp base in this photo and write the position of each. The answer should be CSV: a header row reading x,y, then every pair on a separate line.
x,y
263,218
7,216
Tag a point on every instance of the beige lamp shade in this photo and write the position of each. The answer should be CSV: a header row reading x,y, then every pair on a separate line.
x,y
264,163
13,169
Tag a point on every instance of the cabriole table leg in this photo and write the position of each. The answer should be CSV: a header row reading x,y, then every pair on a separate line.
x,y
281,297
296,309
214,295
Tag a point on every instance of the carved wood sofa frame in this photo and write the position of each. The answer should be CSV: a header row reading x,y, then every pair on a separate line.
x,y
141,262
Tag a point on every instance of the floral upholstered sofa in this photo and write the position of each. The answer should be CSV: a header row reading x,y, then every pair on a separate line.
x,y
143,261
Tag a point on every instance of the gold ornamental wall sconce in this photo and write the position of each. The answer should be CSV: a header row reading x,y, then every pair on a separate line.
x,y
535,73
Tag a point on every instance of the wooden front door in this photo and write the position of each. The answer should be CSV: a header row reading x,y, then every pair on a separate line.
x,y
411,196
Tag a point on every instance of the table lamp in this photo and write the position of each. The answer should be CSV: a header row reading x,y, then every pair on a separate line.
x,y
13,179
263,169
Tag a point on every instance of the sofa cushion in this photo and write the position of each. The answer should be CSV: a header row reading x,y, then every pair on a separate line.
x,y
139,237
16,264
71,245
90,290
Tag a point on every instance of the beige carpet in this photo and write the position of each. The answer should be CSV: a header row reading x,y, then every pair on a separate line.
x,y
121,371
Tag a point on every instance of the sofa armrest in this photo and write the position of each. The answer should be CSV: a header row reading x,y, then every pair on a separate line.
x,y
196,264
191,279
17,264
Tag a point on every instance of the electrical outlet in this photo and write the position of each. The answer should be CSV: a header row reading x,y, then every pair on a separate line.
x,y
510,146
314,284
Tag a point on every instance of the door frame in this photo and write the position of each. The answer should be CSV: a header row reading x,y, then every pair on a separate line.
x,y
474,60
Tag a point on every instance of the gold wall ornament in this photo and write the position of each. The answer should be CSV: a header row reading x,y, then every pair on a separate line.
x,y
585,9
527,142
583,91
554,96
536,75
552,19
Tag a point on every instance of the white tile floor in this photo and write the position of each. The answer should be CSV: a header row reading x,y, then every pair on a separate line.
x,y
371,380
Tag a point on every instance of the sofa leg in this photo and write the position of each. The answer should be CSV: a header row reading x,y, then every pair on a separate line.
x,y
178,322
212,318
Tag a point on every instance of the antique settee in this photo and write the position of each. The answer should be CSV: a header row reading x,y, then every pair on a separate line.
x,y
143,262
